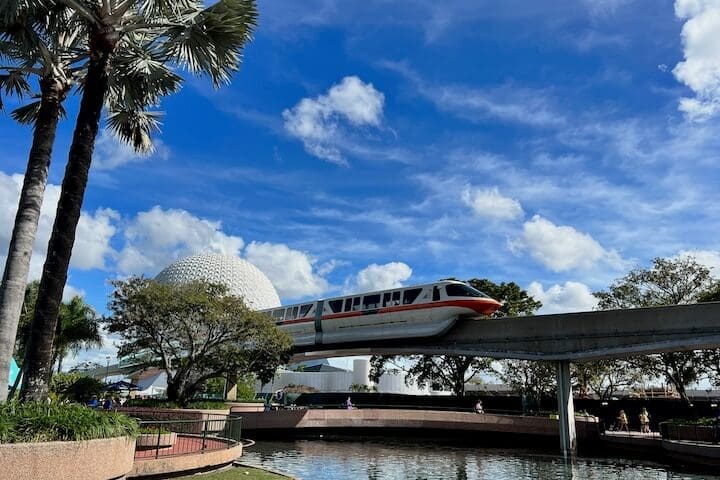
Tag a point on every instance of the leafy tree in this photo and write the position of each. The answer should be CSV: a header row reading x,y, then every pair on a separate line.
x,y
195,332
667,282
605,377
74,387
453,372
712,294
78,328
147,36
530,379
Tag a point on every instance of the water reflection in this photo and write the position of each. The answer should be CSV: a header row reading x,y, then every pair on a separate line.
x,y
404,460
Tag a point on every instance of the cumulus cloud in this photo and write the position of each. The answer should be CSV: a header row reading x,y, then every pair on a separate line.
x,y
701,47
157,237
320,122
380,277
95,230
290,271
490,203
562,248
110,153
709,258
570,297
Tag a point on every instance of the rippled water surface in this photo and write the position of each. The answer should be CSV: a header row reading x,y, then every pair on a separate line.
x,y
407,460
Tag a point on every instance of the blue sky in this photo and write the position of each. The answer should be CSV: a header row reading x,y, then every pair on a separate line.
x,y
370,144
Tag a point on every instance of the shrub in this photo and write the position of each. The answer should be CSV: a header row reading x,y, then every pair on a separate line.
x,y
160,403
39,422
75,387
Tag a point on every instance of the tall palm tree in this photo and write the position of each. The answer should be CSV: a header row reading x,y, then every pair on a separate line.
x,y
45,44
78,327
150,34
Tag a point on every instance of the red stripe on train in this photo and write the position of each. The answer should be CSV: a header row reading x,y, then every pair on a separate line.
x,y
486,307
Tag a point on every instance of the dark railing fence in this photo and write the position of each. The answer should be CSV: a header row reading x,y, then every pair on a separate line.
x,y
690,432
166,438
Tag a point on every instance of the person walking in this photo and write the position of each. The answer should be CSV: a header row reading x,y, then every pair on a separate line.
x,y
644,421
479,407
348,404
622,421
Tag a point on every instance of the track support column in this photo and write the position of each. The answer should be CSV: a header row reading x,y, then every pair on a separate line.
x,y
566,409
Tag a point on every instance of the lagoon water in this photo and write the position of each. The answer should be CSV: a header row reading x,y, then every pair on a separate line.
x,y
410,460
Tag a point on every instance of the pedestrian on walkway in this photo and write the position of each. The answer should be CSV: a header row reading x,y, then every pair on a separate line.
x,y
622,422
644,421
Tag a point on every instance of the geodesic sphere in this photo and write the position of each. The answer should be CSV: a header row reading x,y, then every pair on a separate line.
x,y
242,278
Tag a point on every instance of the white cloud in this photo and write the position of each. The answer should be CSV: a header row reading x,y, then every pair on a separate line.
x,y
489,203
562,248
319,122
709,258
157,237
701,47
571,297
94,232
110,153
380,277
290,271
69,292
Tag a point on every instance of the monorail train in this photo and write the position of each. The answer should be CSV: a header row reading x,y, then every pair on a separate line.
x,y
417,311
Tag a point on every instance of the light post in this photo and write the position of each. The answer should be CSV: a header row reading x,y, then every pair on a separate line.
x,y
107,367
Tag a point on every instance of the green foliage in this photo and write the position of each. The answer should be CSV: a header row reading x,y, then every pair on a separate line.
x,y
355,387
246,388
534,379
195,332
712,294
39,422
667,282
704,421
154,430
75,387
604,377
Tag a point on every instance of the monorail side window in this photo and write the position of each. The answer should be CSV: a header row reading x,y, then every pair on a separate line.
x,y
386,299
305,309
335,305
436,294
396,298
371,301
294,312
409,296
348,304
278,314
356,303
461,290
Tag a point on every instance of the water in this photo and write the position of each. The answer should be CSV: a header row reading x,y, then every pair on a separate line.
x,y
408,460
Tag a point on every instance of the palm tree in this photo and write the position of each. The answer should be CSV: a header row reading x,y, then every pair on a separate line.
x,y
150,34
33,43
77,328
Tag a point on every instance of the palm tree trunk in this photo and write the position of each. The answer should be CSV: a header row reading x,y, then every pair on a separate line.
x,y
39,353
17,265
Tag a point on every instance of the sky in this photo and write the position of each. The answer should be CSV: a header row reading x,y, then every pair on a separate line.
x,y
367,145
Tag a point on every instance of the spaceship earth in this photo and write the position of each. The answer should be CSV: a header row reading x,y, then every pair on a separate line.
x,y
242,278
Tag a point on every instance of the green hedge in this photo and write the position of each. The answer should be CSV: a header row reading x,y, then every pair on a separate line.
x,y
707,421
39,422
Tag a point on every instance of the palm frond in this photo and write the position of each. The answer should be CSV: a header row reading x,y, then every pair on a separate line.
x,y
210,42
134,127
27,114
15,83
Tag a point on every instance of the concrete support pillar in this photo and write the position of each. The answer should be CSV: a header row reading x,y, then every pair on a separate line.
x,y
231,387
566,409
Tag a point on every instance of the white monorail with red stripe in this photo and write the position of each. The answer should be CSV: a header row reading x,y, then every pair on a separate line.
x,y
416,311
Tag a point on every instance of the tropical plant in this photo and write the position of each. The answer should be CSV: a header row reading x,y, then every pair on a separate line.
x,y
147,36
45,44
195,332
39,422
78,328
74,387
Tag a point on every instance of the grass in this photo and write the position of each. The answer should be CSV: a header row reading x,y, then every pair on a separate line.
x,y
39,422
238,473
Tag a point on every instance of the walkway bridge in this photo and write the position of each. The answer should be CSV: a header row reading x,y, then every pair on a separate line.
x,y
561,338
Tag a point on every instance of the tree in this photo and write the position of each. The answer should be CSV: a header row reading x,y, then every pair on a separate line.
x,y
667,282
450,371
78,328
528,378
35,42
149,35
195,332
605,377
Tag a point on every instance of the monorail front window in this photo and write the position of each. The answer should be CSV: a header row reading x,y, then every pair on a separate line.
x,y
461,290
409,296
371,301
